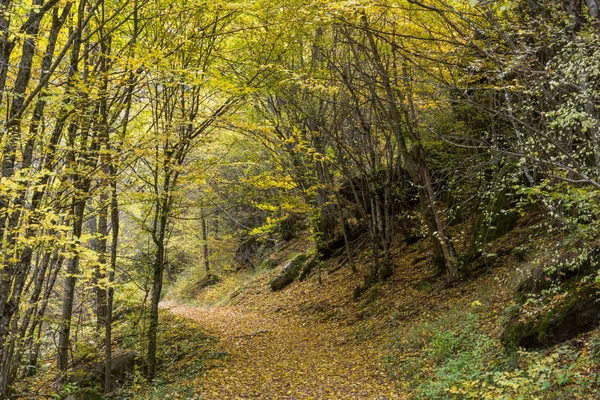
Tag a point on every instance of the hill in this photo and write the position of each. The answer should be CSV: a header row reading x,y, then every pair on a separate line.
x,y
412,336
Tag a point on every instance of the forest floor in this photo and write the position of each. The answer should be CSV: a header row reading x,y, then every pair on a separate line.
x,y
412,336
275,355
313,340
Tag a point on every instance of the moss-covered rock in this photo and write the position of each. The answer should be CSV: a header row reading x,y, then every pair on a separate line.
x,y
267,264
560,318
288,273
122,370
308,267
574,262
209,280
250,251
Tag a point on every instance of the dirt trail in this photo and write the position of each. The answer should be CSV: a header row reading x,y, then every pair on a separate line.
x,y
275,355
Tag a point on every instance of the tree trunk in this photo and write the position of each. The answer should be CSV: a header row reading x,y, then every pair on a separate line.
x,y
157,281
100,275
13,275
6,46
162,211
69,291
38,320
415,159
205,246
114,220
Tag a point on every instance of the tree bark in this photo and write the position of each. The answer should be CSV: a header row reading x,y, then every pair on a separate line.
x,y
114,218
157,282
205,246
77,212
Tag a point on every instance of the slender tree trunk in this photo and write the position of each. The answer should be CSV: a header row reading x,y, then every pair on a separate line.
x,y
38,320
205,246
20,339
594,9
100,288
162,211
344,227
6,46
13,125
157,282
114,220
13,275
78,208
415,159
439,235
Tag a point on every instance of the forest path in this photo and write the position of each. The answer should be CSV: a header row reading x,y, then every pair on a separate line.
x,y
276,355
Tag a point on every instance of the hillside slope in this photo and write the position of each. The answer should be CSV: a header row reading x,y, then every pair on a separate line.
x,y
313,340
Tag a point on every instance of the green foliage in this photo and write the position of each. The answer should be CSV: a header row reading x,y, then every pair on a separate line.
x,y
444,354
454,358
595,349
72,391
162,390
66,390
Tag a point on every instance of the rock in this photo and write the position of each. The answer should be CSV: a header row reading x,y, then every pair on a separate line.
x,y
123,366
336,245
250,251
288,273
268,264
308,267
573,264
563,317
208,280
122,370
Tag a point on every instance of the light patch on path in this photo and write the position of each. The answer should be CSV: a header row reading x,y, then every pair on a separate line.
x,y
279,356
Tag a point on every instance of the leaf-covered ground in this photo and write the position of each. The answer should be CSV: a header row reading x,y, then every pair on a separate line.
x,y
312,340
275,355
